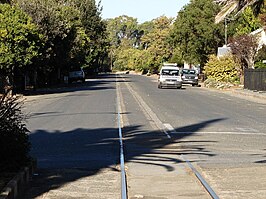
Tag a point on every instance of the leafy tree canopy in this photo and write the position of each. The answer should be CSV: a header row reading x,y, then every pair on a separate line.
x,y
195,33
74,30
122,28
247,22
20,40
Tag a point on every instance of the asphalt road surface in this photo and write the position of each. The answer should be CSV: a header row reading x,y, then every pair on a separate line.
x,y
74,137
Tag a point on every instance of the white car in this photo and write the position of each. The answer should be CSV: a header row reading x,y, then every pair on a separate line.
x,y
170,77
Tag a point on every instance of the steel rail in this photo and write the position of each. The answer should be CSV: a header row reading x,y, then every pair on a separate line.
x,y
201,179
122,160
163,128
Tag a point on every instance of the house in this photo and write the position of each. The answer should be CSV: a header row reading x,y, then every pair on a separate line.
x,y
223,51
261,36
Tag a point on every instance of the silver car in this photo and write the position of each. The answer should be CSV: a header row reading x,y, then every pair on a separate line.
x,y
189,76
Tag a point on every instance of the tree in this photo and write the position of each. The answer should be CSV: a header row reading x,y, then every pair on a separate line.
x,y
237,5
122,28
122,33
74,33
139,47
247,22
245,48
195,33
260,57
156,42
20,41
95,29
60,25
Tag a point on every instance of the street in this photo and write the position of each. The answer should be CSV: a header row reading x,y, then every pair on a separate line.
x,y
75,140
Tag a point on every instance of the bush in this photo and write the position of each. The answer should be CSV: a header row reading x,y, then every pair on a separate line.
x,y
212,83
14,140
261,55
260,65
223,69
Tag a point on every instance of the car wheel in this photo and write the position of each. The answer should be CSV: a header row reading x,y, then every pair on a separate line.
x,y
159,86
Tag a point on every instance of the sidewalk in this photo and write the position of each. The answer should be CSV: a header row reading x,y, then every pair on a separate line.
x,y
254,96
259,95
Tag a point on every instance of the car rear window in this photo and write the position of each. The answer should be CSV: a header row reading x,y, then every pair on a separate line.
x,y
187,71
170,72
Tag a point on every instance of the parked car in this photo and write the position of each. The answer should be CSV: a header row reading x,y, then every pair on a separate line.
x,y
76,75
189,76
169,76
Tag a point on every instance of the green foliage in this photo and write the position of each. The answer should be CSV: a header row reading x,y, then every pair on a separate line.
x,y
122,28
176,57
195,33
261,55
223,69
133,59
156,42
74,34
14,140
95,29
60,23
247,22
139,47
20,41
260,65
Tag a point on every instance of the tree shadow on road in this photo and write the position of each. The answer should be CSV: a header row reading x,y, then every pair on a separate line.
x,y
102,82
261,161
65,157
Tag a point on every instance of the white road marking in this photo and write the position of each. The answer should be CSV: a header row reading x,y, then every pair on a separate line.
x,y
222,132
147,110
246,129
241,131
170,128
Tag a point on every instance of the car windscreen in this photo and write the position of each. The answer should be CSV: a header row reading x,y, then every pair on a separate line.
x,y
187,71
170,72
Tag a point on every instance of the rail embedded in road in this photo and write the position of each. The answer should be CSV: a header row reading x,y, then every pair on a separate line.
x,y
122,159
159,125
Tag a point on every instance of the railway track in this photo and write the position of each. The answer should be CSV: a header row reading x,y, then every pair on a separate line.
x,y
165,128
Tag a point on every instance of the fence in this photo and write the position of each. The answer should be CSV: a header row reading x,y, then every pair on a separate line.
x,y
255,79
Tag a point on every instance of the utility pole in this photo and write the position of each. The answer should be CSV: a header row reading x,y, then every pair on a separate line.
x,y
225,31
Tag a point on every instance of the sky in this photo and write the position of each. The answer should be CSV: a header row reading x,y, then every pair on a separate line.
x,y
143,10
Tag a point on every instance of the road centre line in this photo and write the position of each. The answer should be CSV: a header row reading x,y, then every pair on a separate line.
x,y
167,129
164,128
124,118
148,110
170,128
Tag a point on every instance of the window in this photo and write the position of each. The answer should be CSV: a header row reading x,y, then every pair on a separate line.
x,y
170,72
